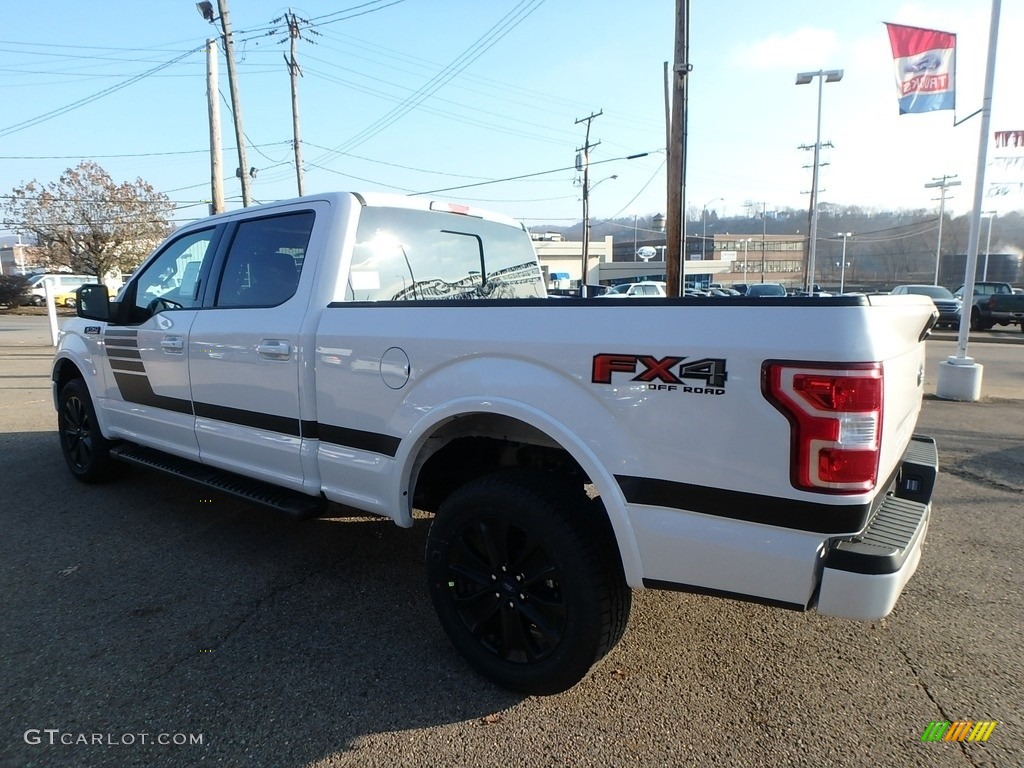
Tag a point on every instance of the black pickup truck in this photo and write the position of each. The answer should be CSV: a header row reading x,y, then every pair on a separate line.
x,y
994,304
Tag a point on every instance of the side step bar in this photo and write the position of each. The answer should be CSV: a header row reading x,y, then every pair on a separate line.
x,y
292,503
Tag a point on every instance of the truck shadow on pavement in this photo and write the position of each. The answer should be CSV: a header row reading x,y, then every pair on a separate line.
x,y
152,605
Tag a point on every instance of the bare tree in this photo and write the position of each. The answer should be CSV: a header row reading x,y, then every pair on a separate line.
x,y
87,223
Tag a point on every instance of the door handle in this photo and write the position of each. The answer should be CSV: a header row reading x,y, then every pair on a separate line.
x,y
274,349
172,343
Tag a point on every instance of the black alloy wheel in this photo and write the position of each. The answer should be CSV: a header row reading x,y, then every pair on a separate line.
x,y
85,450
526,580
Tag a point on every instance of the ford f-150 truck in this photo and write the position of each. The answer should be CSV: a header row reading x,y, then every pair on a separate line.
x,y
392,354
994,304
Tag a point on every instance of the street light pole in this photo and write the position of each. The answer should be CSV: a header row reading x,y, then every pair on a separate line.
x,y
842,267
988,244
746,245
704,235
634,237
803,78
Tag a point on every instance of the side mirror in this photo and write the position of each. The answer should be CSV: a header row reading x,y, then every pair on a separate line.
x,y
94,302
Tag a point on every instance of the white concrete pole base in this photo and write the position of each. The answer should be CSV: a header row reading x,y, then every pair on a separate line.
x,y
959,378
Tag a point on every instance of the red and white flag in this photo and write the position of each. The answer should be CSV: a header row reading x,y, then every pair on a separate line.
x,y
925,62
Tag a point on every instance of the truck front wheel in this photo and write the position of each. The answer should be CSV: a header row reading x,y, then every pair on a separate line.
x,y
526,580
86,451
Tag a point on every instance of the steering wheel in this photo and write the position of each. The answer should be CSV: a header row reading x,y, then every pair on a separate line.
x,y
159,304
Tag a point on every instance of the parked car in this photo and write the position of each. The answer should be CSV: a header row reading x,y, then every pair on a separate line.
x,y
948,305
59,284
635,290
762,290
68,299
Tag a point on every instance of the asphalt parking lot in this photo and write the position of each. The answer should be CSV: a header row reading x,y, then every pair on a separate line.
x,y
150,623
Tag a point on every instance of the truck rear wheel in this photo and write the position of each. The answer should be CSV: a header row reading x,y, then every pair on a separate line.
x,y
85,450
526,581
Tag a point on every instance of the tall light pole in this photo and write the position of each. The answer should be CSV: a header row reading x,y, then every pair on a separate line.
x,y
842,264
704,236
746,245
988,244
804,78
942,183
634,236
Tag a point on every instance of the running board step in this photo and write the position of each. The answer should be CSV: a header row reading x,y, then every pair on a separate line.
x,y
292,503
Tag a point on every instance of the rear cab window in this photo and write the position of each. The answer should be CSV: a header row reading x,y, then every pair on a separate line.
x,y
410,255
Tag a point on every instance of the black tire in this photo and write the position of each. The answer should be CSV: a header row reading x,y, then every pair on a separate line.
x,y
85,450
977,324
526,580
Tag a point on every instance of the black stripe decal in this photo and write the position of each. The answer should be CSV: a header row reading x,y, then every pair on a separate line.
x,y
360,440
112,332
120,344
136,388
751,507
271,423
310,429
126,365
123,354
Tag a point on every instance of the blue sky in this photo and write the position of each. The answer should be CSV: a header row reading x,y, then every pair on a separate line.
x,y
497,88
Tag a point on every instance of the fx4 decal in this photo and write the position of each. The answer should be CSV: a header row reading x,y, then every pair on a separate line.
x,y
664,373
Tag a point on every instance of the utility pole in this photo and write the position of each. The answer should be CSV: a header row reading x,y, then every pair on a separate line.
x,y
213,104
812,219
942,182
583,164
675,222
236,104
294,32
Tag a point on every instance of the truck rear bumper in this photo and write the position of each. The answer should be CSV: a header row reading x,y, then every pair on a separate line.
x,y
863,576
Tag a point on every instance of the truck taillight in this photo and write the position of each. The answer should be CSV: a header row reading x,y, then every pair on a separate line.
x,y
835,416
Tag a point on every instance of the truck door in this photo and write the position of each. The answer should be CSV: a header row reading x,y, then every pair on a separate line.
x,y
244,352
146,365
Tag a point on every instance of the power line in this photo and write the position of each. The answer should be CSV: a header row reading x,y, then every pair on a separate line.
x,y
505,25
132,154
32,121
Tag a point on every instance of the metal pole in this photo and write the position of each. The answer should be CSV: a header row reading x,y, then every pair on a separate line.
x,y
988,245
812,244
842,268
764,234
745,244
634,237
979,177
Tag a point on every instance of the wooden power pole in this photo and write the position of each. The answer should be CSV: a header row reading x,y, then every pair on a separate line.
x,y
675,222
213,104
294,73
236,103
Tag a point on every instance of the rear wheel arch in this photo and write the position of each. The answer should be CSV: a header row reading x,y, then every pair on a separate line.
x,y
436,467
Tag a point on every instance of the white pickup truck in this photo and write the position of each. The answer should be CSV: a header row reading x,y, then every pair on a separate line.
x,y
390,353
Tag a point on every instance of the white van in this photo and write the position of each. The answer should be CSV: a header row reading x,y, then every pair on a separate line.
x,y
58,283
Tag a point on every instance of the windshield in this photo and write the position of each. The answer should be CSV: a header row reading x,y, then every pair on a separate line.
x,y
935,291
